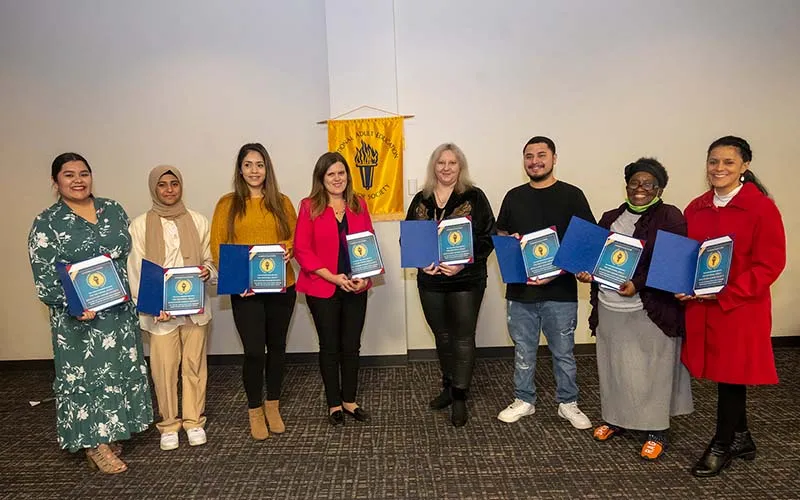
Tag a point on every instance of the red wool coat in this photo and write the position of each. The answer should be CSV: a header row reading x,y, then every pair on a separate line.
x,y
728,339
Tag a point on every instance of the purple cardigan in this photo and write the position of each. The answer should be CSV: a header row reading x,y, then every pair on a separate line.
x,y
662,308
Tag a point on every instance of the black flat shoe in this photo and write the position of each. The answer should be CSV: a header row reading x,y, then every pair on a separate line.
x,y
358,414
743,446
458,413
715,458
336,418
442,401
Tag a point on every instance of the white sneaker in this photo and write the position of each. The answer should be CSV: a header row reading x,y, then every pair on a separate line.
x,y
169,441
576,417
516,411
197,436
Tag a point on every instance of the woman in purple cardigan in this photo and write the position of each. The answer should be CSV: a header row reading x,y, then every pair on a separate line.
x,y
639,330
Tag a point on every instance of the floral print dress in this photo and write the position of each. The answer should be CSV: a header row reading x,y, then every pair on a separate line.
x,y
101,386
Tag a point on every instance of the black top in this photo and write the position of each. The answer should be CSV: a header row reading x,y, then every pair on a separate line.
x,y
526,209
343,266
472,203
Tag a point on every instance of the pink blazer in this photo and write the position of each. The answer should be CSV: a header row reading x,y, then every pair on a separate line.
x,y
316,245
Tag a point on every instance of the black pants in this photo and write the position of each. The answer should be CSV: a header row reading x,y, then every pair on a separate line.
x,y
453,317
339,320
731,411
263,320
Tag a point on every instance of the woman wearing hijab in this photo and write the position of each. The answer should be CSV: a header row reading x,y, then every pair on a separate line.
x,y
171,235
639,330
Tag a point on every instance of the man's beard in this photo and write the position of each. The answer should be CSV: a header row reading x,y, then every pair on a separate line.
x,y
540,177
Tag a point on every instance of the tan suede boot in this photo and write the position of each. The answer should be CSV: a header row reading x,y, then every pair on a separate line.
x,y
258,426
274,417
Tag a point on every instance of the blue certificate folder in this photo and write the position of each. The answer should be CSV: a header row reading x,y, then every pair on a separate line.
x,y
365,256
610,257
256,268
91,285
683,265
528,258
418,244
426,242
581,246
178,291
509,258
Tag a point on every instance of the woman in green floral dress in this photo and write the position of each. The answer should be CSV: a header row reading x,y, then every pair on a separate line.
x,y
101,386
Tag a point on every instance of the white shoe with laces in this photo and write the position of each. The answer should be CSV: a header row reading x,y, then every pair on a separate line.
x,y
197,436
576,417
516,411
169,441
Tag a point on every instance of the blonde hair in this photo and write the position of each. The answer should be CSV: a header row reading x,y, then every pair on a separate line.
x,y
464,181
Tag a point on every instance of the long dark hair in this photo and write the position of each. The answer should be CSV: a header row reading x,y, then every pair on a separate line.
x,y
746,154
319,196
63,158
272,193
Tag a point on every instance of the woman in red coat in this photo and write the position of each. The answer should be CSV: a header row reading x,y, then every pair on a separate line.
x,y
728,334
337,302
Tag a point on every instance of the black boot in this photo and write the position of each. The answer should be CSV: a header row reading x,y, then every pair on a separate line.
x,y
444,399
743,446
716,457
458,415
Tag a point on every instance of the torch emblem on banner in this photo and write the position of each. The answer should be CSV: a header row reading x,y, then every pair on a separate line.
x,y
366,160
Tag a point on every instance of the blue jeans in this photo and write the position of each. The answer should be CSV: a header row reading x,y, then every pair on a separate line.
x,y
557,321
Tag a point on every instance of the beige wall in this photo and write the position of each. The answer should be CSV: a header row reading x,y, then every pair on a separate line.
x,y
188,82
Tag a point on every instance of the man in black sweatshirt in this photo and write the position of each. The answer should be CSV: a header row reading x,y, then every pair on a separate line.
x,y
549,306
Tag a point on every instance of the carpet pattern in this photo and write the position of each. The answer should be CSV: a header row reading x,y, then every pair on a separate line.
x,y
406,451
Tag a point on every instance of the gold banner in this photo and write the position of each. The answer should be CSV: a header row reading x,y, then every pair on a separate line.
x,y
373,148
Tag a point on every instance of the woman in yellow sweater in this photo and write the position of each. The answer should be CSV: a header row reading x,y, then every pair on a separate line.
x,y
257,213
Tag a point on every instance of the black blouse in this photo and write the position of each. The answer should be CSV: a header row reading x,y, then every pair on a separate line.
x,y
343,266
472,203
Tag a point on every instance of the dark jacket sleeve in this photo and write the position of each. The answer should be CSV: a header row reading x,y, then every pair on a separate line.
x,y
412,207
667,218
483,226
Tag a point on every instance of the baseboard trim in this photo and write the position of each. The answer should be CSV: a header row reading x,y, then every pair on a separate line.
x,y
414,355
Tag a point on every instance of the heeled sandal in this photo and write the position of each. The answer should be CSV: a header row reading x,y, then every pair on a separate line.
x,y
116,448
105,460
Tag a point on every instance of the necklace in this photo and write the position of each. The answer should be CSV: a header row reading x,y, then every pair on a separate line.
x,y
439,209
338,212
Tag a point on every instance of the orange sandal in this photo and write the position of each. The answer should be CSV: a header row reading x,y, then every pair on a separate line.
x,y
105,460
653,448
606,431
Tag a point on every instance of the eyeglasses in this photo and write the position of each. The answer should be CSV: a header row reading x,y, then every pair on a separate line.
x,y
646,185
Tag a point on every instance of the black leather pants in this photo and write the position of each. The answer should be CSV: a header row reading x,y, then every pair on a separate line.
x,y
453,317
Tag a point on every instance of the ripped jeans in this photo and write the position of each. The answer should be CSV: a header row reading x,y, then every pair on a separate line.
x,y
557,321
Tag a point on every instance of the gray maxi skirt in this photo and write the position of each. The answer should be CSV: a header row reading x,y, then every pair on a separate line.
x,y
642,379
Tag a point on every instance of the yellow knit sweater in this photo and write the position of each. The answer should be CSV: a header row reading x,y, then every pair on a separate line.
x,y
257,227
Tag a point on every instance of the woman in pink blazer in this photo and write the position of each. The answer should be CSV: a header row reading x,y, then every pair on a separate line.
x,y
337,302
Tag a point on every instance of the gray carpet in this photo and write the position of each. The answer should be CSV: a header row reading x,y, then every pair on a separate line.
x,y
407,451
